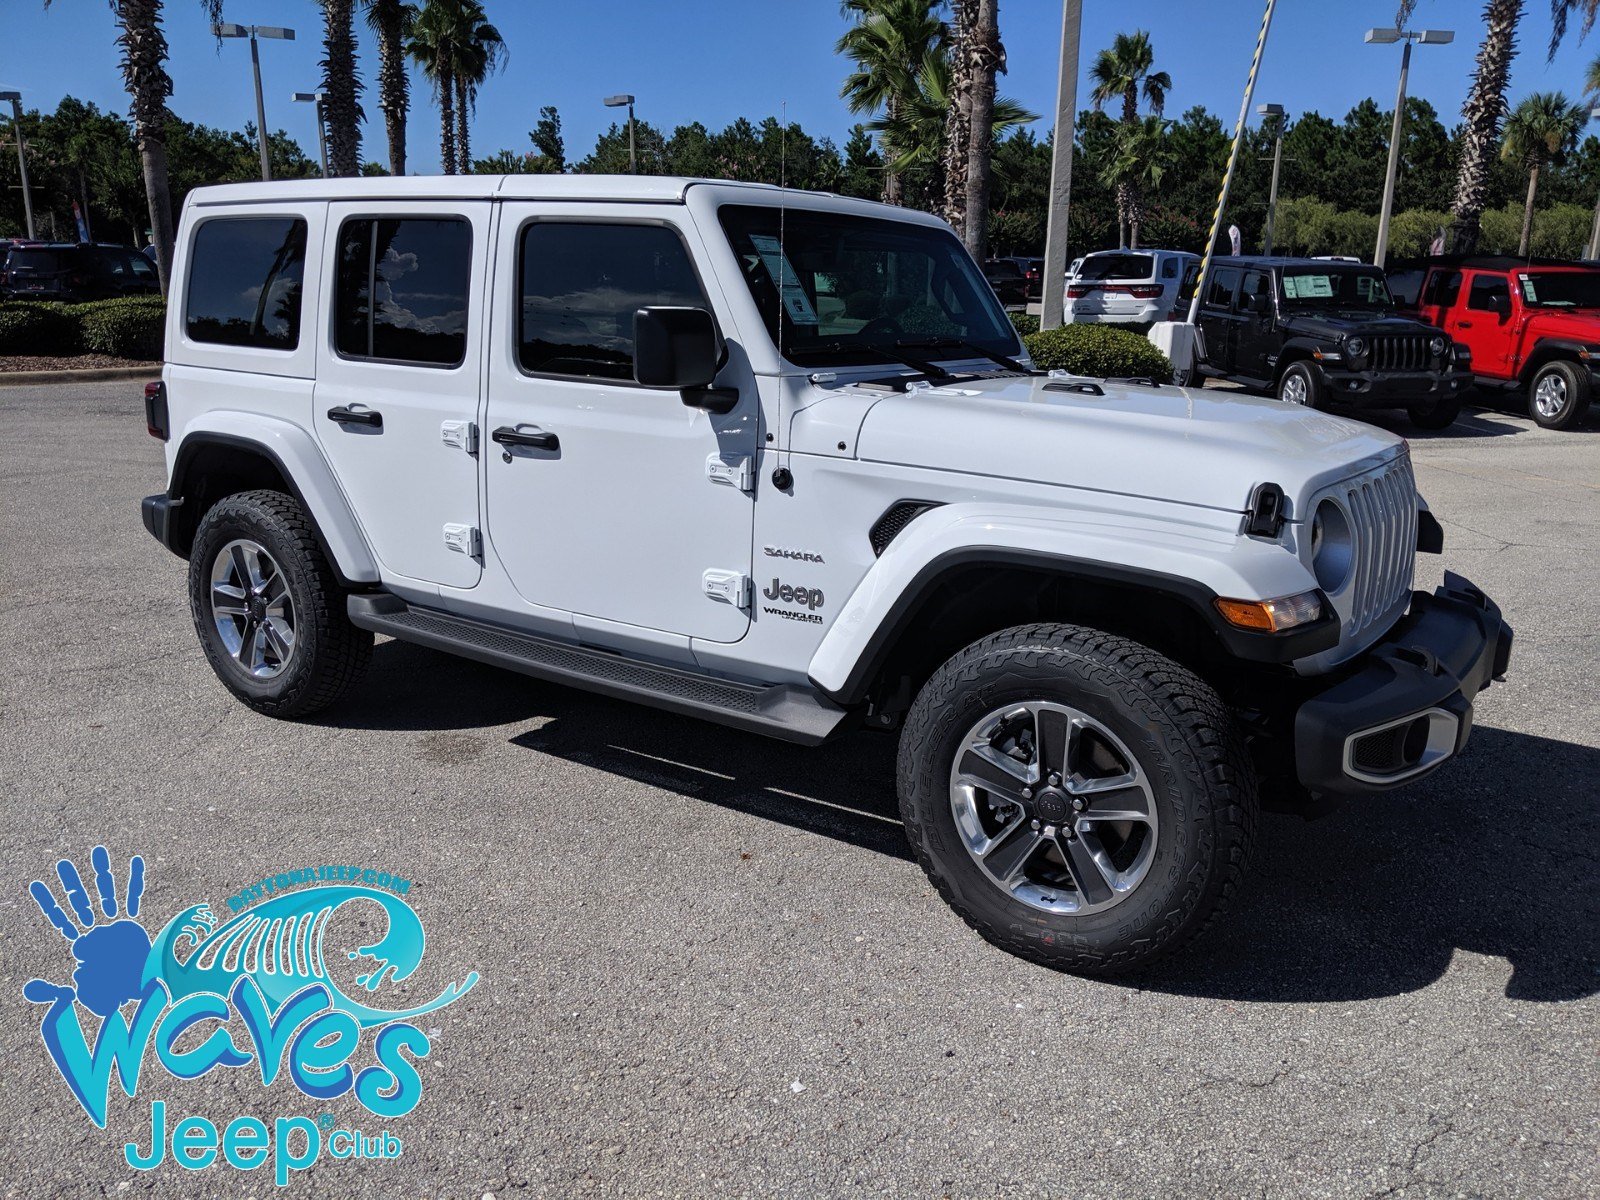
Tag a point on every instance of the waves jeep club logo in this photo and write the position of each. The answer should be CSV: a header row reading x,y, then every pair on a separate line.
x,y
262,984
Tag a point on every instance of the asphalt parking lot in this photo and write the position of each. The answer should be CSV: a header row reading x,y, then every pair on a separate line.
x,y
709,966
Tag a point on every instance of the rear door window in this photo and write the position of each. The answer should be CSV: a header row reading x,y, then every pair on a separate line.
x,y
1220,287
1256,283
1442,288
401,289
245,278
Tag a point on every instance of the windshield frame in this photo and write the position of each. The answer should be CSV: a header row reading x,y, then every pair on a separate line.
x,y
737,220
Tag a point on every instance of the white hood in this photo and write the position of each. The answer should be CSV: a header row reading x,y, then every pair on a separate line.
x,y
1164,443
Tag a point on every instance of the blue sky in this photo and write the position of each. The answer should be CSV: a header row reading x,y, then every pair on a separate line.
x,y
714,60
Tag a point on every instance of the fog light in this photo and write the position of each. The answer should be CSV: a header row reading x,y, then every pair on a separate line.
x,y
1271,616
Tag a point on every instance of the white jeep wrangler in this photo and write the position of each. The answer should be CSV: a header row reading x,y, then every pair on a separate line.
x,y
778,460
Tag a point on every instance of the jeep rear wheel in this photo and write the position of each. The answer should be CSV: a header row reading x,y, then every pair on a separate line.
x,y
1080,800
1558,394
1301,384
268,608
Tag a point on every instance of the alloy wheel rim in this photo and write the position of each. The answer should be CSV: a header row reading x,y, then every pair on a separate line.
x,y
1550,397
252,609
1053,808
1294,389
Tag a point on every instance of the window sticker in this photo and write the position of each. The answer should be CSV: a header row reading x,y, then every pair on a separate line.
x,y
1529,292
1308,287
795,301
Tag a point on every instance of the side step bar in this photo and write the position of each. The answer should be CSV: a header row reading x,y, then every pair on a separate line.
x,y
790,712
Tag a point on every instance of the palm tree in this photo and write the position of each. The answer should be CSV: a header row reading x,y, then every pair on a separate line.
x,y
457,49
144,75
958,120
481,51
915,135
1125,71
391,21
985,56
888,42
1484,109
1560,10
1542,129
1140,157
342,107
430,48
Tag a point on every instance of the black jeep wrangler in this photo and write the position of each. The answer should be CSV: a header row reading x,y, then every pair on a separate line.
x,y
1320,332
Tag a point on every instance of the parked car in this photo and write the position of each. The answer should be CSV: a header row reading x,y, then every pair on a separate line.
x,y
1126,287
1008,281
1532,325
77,271
602,432
1318,332
1033,272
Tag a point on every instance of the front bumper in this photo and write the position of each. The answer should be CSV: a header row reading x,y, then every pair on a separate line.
x,y
1380,389
1406,708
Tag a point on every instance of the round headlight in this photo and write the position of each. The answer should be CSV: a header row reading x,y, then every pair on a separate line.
x,y
1332,548
1436,347
1355,346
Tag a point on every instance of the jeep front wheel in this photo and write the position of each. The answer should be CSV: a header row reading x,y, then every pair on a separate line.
x,y
1301,384
1079,800
268,608
1558,395
1441,414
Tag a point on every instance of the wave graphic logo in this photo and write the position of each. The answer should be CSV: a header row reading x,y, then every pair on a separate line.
x,y
260,979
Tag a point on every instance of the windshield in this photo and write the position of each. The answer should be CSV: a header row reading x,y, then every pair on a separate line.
x,y
855,288
1335,290
1562,289
1118,266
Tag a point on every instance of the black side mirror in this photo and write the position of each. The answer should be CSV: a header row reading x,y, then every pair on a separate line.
x,y
1502,305
674,347
1261,304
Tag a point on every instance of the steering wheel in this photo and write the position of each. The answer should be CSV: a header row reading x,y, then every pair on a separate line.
x,y
878,325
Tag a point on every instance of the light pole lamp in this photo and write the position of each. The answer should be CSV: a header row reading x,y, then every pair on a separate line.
x,y
1274,113
277,33
618,101
22,159
316,98
1387,37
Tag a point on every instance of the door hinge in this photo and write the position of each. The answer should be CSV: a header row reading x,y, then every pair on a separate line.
x,y
463,539
735,472
463,435
727,587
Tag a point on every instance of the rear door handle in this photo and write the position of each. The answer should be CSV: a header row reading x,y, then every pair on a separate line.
x,y
1463,324
508,435
350,416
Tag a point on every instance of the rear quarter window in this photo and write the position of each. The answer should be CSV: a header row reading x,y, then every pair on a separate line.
x,y
245,276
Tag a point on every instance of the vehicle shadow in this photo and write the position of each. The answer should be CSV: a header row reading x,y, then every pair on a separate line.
x,y
1469,424
1495,855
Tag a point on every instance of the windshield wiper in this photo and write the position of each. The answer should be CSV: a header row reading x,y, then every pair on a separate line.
x,y
955,343
931,370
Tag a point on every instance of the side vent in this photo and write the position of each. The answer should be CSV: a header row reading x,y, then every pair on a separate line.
x,y
895,518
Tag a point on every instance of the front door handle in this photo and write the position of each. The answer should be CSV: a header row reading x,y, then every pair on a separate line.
x,y
1463,324
508,435
350,416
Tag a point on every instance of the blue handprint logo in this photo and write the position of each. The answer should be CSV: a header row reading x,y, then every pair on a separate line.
x,y
111,948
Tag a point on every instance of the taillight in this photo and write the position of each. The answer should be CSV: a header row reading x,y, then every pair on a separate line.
x,y
1146,291
1078,291
156,422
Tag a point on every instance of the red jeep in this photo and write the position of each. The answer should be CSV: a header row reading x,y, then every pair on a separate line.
x,y
1530,323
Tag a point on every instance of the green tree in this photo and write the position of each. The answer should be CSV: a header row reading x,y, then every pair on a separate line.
x,y
342,105
1124,72
863,165
547,140
144,75
391,22
889,43
1140,161
458,49
1542,129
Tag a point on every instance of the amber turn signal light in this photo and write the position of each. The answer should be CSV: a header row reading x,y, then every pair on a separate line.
x,y
1271,616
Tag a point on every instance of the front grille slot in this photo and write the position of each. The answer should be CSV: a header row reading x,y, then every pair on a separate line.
x,y
1399,352
1383,514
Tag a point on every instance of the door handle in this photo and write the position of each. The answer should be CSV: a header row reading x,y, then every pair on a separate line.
x,y
1463,324
348,416
507,435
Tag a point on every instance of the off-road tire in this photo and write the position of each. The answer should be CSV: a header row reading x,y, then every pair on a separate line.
x,y
330,654
1576,380
1441,414
1187,743
1316,392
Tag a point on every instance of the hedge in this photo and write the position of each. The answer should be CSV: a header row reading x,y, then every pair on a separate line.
x,y
131,327
1025,323
1098,351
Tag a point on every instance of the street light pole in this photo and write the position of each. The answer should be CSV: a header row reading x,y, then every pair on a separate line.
x,y
1275,112
22,158
279,33
1431,37
618,101
1054,272
1592,251
322,126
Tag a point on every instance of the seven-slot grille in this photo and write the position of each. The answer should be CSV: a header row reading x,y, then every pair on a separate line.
x,y
1399,352
1383,517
